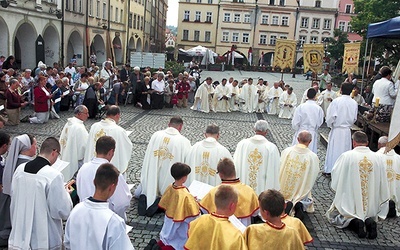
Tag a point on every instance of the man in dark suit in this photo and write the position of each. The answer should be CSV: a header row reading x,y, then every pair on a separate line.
x,y
125,73
368,96
136,79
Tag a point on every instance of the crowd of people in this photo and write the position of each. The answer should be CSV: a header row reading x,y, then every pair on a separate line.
x,y
241,209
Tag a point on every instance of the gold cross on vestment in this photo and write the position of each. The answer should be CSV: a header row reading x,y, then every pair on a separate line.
x,y
365,168
295,169
254,159
163,153
204,169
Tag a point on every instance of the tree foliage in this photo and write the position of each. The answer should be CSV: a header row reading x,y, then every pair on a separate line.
x,y
387,51
336,44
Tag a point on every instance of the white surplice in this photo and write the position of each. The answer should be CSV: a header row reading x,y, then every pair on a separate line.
x,y
341,115
273,98
359,99
305,98
360,182
261,101
123,147
298,171
257,163
164,149
222,105
119,201
308,116
391,161
234,100
249,96
92,226
324,99
203,158
73,139
39,204
286,99
203,98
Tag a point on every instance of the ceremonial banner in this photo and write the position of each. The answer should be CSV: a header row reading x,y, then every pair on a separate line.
x,y
313,55
351,58
284,53
394,129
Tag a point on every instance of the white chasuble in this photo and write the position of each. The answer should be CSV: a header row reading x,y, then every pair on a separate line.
x,y
287,105
326,98
203,98
234,100
222,105
123,147
249,96
391,161
165,148
273,97
257,163
73,139
203,159
298,171
360,182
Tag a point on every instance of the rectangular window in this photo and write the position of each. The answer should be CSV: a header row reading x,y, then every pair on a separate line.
x,y
246,18
196,35
91,8
138,22
188,1
304,22
272,40
315,23
74,5
349,27
116,14
104,11
134,21
263,39
235,37
121,16
98,9
210,1
236,18
342,25
225,36
111,12
327,24
198,1
275,20
283,37
245,37
314,39
197,16
318,3
227,17
285,21
67,4
80,6
142,22
271,2
264,19
348,8
302,39
186,15
209,17
130,20
207,36
185,35
282,2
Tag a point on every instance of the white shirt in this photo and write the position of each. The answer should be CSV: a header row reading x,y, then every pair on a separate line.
x,y
384,89
158,85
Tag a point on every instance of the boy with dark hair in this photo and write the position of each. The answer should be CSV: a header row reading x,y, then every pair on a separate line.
x,y
180,209
273,234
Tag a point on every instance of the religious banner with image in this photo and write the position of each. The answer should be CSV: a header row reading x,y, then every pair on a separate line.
x,y
284,53
351,57
313,55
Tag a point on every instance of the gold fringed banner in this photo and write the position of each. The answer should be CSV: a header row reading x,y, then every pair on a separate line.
x,y
313,57
351,57
284,53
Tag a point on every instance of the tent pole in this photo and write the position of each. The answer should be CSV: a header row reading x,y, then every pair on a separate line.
x,y
365,56
370,56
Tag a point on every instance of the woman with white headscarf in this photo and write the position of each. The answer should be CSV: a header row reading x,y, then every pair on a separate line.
x,y
22,149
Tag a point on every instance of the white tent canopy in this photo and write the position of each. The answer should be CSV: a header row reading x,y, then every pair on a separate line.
x,y
197,51
208,58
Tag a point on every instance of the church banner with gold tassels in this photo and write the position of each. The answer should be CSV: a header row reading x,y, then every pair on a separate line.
x,y
351,57
284,53
313,55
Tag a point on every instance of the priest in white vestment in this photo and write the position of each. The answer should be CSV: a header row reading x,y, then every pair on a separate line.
x,y
391,161
164,149
361,189
203,157
298,171
203,97
249,97
109,126
327,97
92,225
105,150
234,100
273,98
40,202
261,94
287,103
73,139
308,116
314,86
341,115
257,160
222,97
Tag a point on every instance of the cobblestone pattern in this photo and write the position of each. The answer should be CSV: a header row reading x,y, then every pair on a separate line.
x,y
234,127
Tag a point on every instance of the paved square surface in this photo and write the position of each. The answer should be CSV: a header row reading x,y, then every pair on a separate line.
x,y
234,127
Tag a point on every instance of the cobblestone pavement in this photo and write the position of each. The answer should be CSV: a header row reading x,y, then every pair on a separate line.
x,y
234,127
